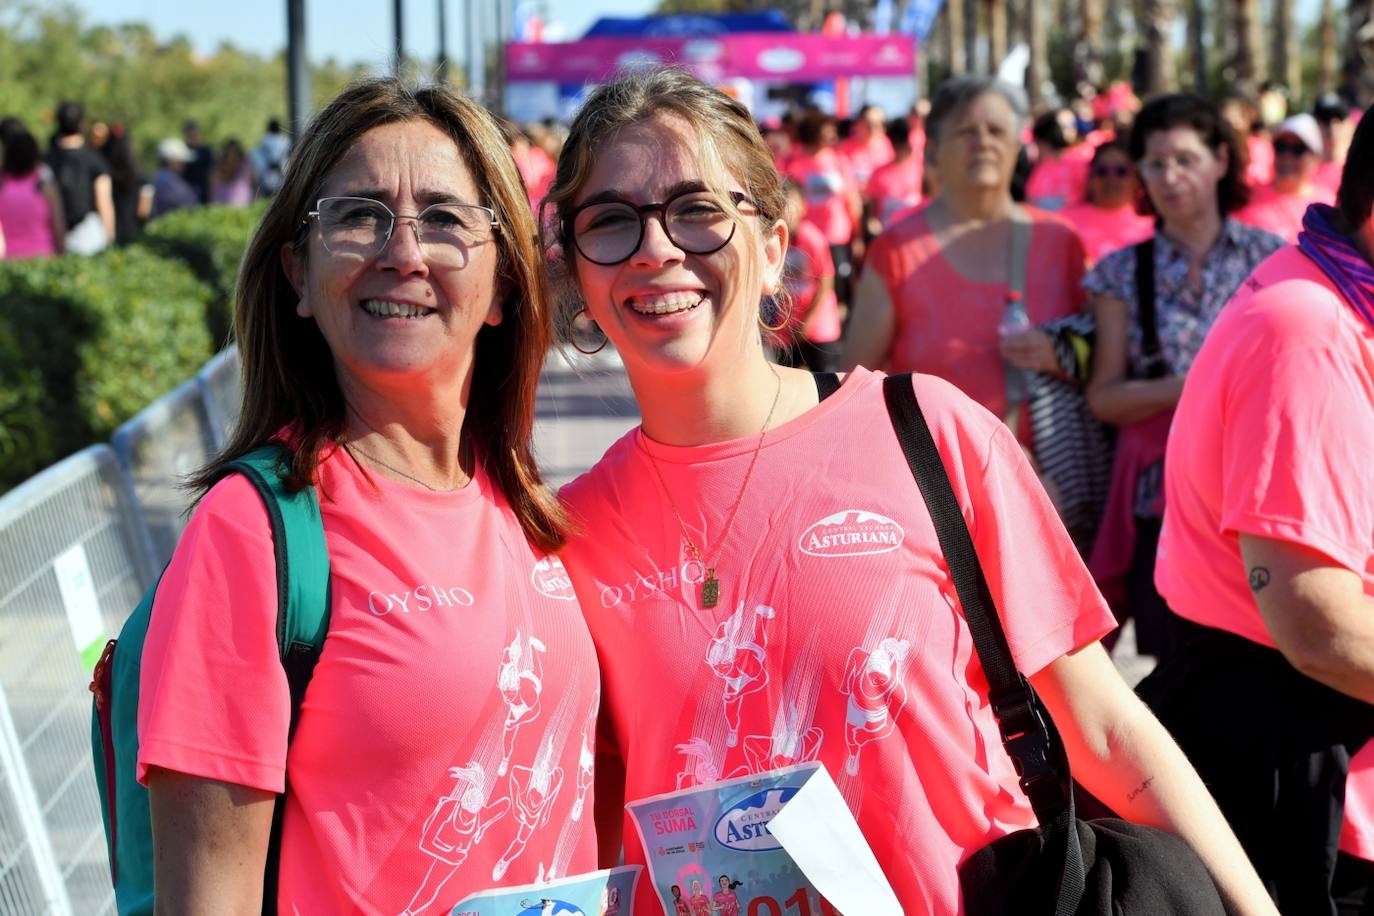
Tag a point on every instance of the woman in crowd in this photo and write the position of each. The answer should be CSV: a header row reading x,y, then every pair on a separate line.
x,y
1193,174
810,313
1267,559
232,180
30,205
1279,206
708,562
833,203
391,319
1108,219
132,193
936,287
893,189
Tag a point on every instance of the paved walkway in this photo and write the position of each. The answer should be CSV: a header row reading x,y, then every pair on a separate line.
x,y
585,404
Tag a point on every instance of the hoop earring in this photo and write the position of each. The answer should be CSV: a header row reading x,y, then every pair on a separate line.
x,y
572,337
771,304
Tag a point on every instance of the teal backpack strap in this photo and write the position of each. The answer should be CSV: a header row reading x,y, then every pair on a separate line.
x,y
302,599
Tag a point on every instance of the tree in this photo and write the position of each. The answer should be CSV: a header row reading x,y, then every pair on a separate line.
x,y
1038,73
1326,47
1357,73
1088,51
1286,67
1247,64
1197,45
1156,63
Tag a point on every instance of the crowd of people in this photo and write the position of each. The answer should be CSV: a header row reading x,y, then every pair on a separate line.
x,y
89,191
750,579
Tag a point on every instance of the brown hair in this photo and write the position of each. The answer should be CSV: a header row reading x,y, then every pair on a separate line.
x,y
729,140
1183,110
288,370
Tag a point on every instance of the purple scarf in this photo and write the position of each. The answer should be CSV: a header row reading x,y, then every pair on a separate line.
x,y
1342,263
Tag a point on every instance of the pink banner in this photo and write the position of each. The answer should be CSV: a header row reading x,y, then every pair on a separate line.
x,y
772,57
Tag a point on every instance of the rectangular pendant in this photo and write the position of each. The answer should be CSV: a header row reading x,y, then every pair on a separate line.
x,y
710,590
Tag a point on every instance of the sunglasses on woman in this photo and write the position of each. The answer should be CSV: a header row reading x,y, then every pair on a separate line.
x,y
1110,171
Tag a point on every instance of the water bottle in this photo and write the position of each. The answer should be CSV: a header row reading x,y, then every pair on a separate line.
x,y
1015,320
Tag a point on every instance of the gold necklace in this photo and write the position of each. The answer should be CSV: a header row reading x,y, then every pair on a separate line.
x,y
710,586
354,451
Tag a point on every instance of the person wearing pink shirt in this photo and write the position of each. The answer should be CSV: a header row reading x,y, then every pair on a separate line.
x,y
868,147
833,203
936,286
1242,114
894,189
1267,559
391,320
1279,206
757,567
811,335
1060,176
1334,116
1108,219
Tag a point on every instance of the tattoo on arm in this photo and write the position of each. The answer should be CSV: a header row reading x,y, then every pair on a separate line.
x,y
1259,579
1135,793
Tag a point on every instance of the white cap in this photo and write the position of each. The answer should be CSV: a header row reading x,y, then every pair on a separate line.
x,y
174,149
1305,128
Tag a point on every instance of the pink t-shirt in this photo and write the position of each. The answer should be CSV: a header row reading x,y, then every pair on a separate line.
x,y
894,189
838,637
25,217
1260,170
1273,437
1281,214
1328,177
866,158
1056,183
1104,231
445,741
808,261
946,323
826,182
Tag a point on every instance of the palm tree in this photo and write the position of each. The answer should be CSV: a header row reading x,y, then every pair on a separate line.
x,y
1286,67
1248,63
996,17
954,25
1326,47
1157,23
1038,73
1088,50
1197,45
1358,71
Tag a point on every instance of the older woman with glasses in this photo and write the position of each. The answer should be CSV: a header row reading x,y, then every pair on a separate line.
x,y
391,319
1154,304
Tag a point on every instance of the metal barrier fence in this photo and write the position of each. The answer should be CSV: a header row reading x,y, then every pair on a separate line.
x,y
74,561
79,544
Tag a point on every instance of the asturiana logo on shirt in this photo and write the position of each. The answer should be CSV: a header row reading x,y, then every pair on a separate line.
x,y
551,579
851,533
744,826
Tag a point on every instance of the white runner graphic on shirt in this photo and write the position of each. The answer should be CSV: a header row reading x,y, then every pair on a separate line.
x,y
521,682
873,680
793,739
738,656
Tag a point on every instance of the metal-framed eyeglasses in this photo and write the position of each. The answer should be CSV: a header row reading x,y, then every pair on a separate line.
x,y
360,227
610,232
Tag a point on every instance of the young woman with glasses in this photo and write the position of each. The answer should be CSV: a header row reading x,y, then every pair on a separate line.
x,y
391,319
757,567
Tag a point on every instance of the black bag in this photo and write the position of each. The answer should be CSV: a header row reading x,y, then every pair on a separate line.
x,y
1066,865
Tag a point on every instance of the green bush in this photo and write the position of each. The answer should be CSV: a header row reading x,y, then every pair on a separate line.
x,y
211,240
86,343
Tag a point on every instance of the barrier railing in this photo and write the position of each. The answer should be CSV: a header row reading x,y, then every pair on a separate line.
x,y
74,560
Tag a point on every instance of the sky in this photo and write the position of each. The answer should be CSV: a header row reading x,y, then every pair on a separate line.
x,y
347,30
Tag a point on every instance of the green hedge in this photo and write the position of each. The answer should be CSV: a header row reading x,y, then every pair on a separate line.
x,y
211,240
86,343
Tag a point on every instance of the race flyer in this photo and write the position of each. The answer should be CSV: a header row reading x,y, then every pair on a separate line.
x,y
712,850
598,893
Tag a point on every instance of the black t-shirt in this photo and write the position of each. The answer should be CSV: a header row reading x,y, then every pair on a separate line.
x,y
76,170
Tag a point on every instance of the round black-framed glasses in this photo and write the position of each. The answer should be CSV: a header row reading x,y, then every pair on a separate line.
x,y
609,232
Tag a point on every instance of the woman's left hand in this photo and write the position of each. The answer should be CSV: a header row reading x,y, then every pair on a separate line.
x,y
1032,349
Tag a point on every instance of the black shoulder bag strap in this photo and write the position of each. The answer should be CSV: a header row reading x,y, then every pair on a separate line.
x,y
1028,734
1153,354
827,383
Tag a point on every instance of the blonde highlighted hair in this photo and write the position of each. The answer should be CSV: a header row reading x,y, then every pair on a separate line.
x,y
288,370
728,143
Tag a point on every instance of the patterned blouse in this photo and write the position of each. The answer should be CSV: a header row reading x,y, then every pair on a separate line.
x,y
1182,315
